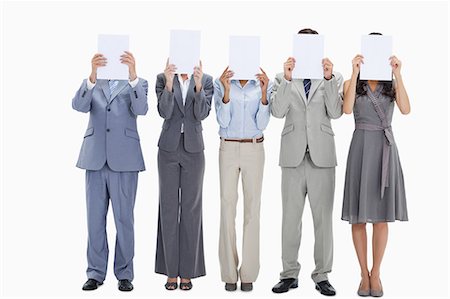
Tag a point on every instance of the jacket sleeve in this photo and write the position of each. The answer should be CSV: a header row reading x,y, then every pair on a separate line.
x,y
223,111
83,98
280,97
138,95
166,98
333,96
202,99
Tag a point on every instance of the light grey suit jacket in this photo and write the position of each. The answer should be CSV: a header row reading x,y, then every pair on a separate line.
x,y
307,121
195,109
112,135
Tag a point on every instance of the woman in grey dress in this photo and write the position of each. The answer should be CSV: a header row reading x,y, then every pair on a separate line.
x,y
374,190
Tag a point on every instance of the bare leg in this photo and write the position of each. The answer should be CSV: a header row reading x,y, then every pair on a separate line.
x,y
359,235
379,241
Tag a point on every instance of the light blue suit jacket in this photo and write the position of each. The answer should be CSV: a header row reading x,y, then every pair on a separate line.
x,y
111,136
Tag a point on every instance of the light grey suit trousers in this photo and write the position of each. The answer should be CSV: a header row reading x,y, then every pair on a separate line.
x,y
318,184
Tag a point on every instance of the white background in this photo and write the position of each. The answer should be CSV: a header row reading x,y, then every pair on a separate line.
x,y
47,49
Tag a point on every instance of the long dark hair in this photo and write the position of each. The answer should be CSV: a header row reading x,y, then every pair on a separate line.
x,y
362,86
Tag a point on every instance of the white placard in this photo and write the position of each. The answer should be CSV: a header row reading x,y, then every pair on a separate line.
x,y
376,50
112,46
244,57
184,50
308,51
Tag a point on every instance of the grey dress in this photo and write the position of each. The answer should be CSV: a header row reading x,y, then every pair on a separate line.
x,y
374,188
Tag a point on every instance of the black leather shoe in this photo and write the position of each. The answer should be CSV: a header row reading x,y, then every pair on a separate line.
x,y
125,285
325,288
91,284
285,284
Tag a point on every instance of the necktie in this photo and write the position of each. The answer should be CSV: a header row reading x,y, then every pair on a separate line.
x,y
112,86
307,85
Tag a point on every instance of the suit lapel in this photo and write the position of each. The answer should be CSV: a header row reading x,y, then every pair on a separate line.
x,y
314,85
190,94
122,84
105,88
177,93
301,89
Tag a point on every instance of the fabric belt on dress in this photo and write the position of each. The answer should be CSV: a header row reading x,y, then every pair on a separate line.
x,y
386,127
386,150
248,140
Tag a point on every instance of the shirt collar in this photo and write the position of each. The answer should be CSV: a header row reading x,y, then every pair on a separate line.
x,y
251,81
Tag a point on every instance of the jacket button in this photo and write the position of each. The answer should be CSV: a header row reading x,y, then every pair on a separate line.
x,y
109,109
107,130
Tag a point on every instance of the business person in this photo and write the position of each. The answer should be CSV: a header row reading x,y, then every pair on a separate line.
x,y
112,156
308,161
374,189
184,100
242,109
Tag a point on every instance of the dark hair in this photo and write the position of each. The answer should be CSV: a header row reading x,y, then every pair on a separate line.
x,y
388,88
307,31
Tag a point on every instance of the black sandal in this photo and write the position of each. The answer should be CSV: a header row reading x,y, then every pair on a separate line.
x,y
170,286
185,286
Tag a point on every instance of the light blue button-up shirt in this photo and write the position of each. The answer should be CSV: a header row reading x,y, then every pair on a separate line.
x,y
244,116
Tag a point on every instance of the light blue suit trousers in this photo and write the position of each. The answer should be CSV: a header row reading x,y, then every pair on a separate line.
x,y
101,186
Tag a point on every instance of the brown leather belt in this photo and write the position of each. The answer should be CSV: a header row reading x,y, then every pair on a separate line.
x,y
258,140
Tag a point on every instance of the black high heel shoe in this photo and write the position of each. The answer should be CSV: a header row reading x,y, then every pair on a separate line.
x,y
170,286
186,286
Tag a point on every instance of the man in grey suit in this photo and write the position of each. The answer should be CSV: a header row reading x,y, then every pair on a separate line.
x,y
184,100
112,156
307,160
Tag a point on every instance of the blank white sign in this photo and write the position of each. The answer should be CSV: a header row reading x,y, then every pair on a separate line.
x,y
184,50
112,46
308,51
376,50
244,57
